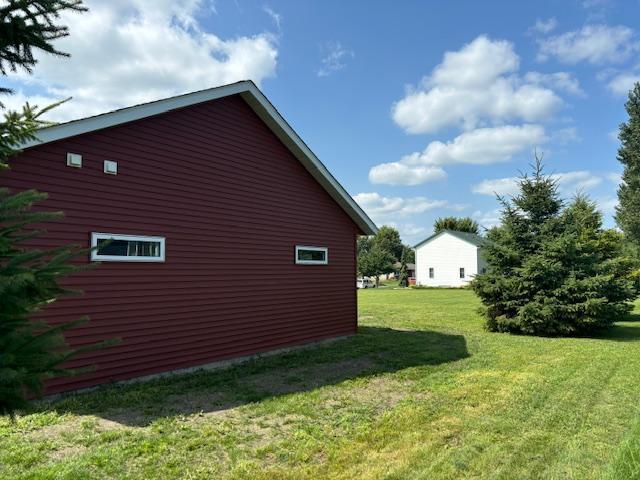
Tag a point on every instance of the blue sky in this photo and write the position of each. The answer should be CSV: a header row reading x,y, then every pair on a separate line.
x,y
420,109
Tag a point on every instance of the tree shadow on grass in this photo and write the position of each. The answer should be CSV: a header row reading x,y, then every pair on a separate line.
x,y
371,352
632,317
619,333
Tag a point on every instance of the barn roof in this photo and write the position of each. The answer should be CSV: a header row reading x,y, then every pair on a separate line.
x,y
471,238
260,105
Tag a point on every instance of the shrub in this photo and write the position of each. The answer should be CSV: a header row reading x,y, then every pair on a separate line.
x,y
552,268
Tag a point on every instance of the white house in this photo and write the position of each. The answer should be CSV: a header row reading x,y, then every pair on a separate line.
x,y
449,259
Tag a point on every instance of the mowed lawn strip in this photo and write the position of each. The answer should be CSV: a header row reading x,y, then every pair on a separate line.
x,y
421,392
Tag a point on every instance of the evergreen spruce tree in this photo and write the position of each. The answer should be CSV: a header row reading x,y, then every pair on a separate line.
x,y
403,275
30,351
628,210
553,269
409,254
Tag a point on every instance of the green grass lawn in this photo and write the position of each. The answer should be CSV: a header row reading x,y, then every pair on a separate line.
x,y
421,392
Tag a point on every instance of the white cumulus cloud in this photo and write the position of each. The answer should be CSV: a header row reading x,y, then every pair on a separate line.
x,y
472,86
607,205
566,135
622,83
377,205
399,173
128,52
615,177
412,230
388,209
568,182
497,186
563,81
596,44
489,218
477,147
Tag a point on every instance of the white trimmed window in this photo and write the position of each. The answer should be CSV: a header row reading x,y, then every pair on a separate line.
x,y
111,247
312,255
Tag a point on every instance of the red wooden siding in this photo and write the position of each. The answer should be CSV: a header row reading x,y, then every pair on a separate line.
x,y
232,202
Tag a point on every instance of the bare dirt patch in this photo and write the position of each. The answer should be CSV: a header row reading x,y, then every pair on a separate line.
x,y
268,428
379,393
63,435
66,451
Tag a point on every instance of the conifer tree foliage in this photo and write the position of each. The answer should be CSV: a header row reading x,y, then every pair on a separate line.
x,y
459,224
409,254
30,351
26,25
403,274
628,210
552,268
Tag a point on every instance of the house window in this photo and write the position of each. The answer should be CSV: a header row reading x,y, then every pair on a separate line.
x,y
312,255
110,247
431,272
461,272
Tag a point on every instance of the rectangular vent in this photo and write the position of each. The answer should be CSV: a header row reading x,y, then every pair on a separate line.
x,y
74,160
110,167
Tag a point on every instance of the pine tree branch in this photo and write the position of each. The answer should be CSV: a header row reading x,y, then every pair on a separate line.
x,y
26,25
21,126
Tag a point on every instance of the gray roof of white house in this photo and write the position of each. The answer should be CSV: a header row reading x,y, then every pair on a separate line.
x,y
471,238
260,105
410,266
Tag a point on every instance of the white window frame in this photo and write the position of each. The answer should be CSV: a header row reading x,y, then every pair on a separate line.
x,y
462,273
432,272
315,249
95,256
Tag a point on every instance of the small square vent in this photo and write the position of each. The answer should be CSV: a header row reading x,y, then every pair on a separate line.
x,y
74,160
110,167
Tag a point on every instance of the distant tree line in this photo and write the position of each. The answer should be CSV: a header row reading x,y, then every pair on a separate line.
x,y
377,254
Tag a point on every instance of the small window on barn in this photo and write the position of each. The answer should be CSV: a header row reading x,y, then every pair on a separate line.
x,y
431,273
461,272
110,247
312,255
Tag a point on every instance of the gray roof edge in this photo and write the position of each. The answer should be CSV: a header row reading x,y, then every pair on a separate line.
x,y
464,236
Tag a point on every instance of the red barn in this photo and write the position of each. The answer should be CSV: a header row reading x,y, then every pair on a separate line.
x,y
228,236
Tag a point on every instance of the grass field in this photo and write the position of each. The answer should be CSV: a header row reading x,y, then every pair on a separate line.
x,y
421,392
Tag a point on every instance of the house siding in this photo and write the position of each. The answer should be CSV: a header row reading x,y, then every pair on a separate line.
x,y
232,202
446,254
